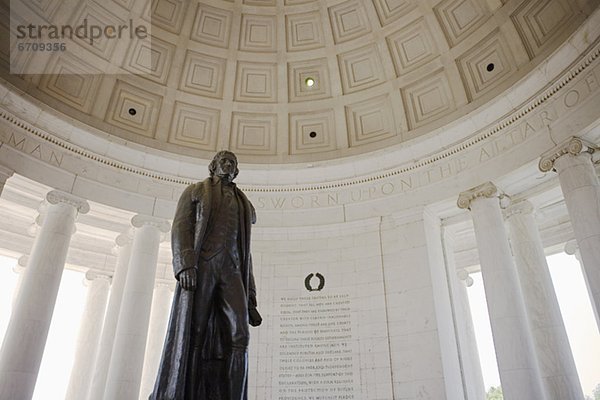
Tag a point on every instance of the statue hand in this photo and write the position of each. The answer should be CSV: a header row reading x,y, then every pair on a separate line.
x,y
187,279
254,316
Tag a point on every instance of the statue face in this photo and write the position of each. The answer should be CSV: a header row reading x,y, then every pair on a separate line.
x,y
226,167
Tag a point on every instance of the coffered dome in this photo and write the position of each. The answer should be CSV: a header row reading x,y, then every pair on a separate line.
x,y
235,74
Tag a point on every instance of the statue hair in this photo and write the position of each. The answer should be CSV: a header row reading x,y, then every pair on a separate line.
x,y
212,167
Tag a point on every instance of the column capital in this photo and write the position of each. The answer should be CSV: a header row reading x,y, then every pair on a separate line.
x,y
91,275
5,173
487,189
571,247
523,207
21,264
23,260
572,145
125,238
34,228
463,275
161,224
57,196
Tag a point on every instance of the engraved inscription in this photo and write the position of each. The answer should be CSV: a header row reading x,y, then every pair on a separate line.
x,y
35,149
316,356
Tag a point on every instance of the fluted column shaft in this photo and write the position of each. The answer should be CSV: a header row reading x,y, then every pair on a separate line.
x,y
104,351
89,335
515,353
465,334
19,269
27,331
159,317
127,359
556,363
468,342
581,190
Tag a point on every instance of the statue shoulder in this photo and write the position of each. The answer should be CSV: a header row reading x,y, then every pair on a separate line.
x,y
248,205
197,191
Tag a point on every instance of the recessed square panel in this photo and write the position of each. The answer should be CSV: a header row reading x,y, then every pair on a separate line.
x,y
71,81
361,69
93,14
194,126
349,21
389,11
168,14
298,74
212,26
411,47
304,31
203,74
254,133
428,100
256,82
487,64
150,58
538,22
459,18
258,33
312,132
370,121
134,109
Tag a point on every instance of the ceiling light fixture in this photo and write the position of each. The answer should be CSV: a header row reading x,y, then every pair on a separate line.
x,y
309,82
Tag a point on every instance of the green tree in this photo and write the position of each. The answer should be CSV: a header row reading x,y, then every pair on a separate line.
x,y
596,392
494,393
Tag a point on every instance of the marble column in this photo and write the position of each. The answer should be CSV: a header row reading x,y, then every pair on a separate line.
x,y
19,269
556,363
159,317
515,352
5,173
465,331
89,334
27,331
572,160
104,350
572,249
127,358
471,362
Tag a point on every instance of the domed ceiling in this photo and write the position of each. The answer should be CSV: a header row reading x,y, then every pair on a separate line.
x,y
236,74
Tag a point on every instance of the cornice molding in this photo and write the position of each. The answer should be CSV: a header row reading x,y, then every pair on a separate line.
x,y
482,135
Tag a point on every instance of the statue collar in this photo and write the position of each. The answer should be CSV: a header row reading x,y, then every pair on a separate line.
x,y
216,180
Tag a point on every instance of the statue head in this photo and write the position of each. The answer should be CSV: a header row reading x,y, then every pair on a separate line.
x,y
224,165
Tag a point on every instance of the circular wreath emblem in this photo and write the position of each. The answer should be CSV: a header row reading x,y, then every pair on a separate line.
x,y
308,285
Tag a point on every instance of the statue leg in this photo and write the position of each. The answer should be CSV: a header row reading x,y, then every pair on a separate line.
x,y
203,295
233,304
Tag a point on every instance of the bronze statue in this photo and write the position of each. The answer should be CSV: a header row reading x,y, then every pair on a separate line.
x,y
205,351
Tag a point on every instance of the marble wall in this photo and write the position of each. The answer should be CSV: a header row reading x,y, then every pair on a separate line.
x,y
356,310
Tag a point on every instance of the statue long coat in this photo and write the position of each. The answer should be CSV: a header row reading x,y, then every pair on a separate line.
x,y
193,215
